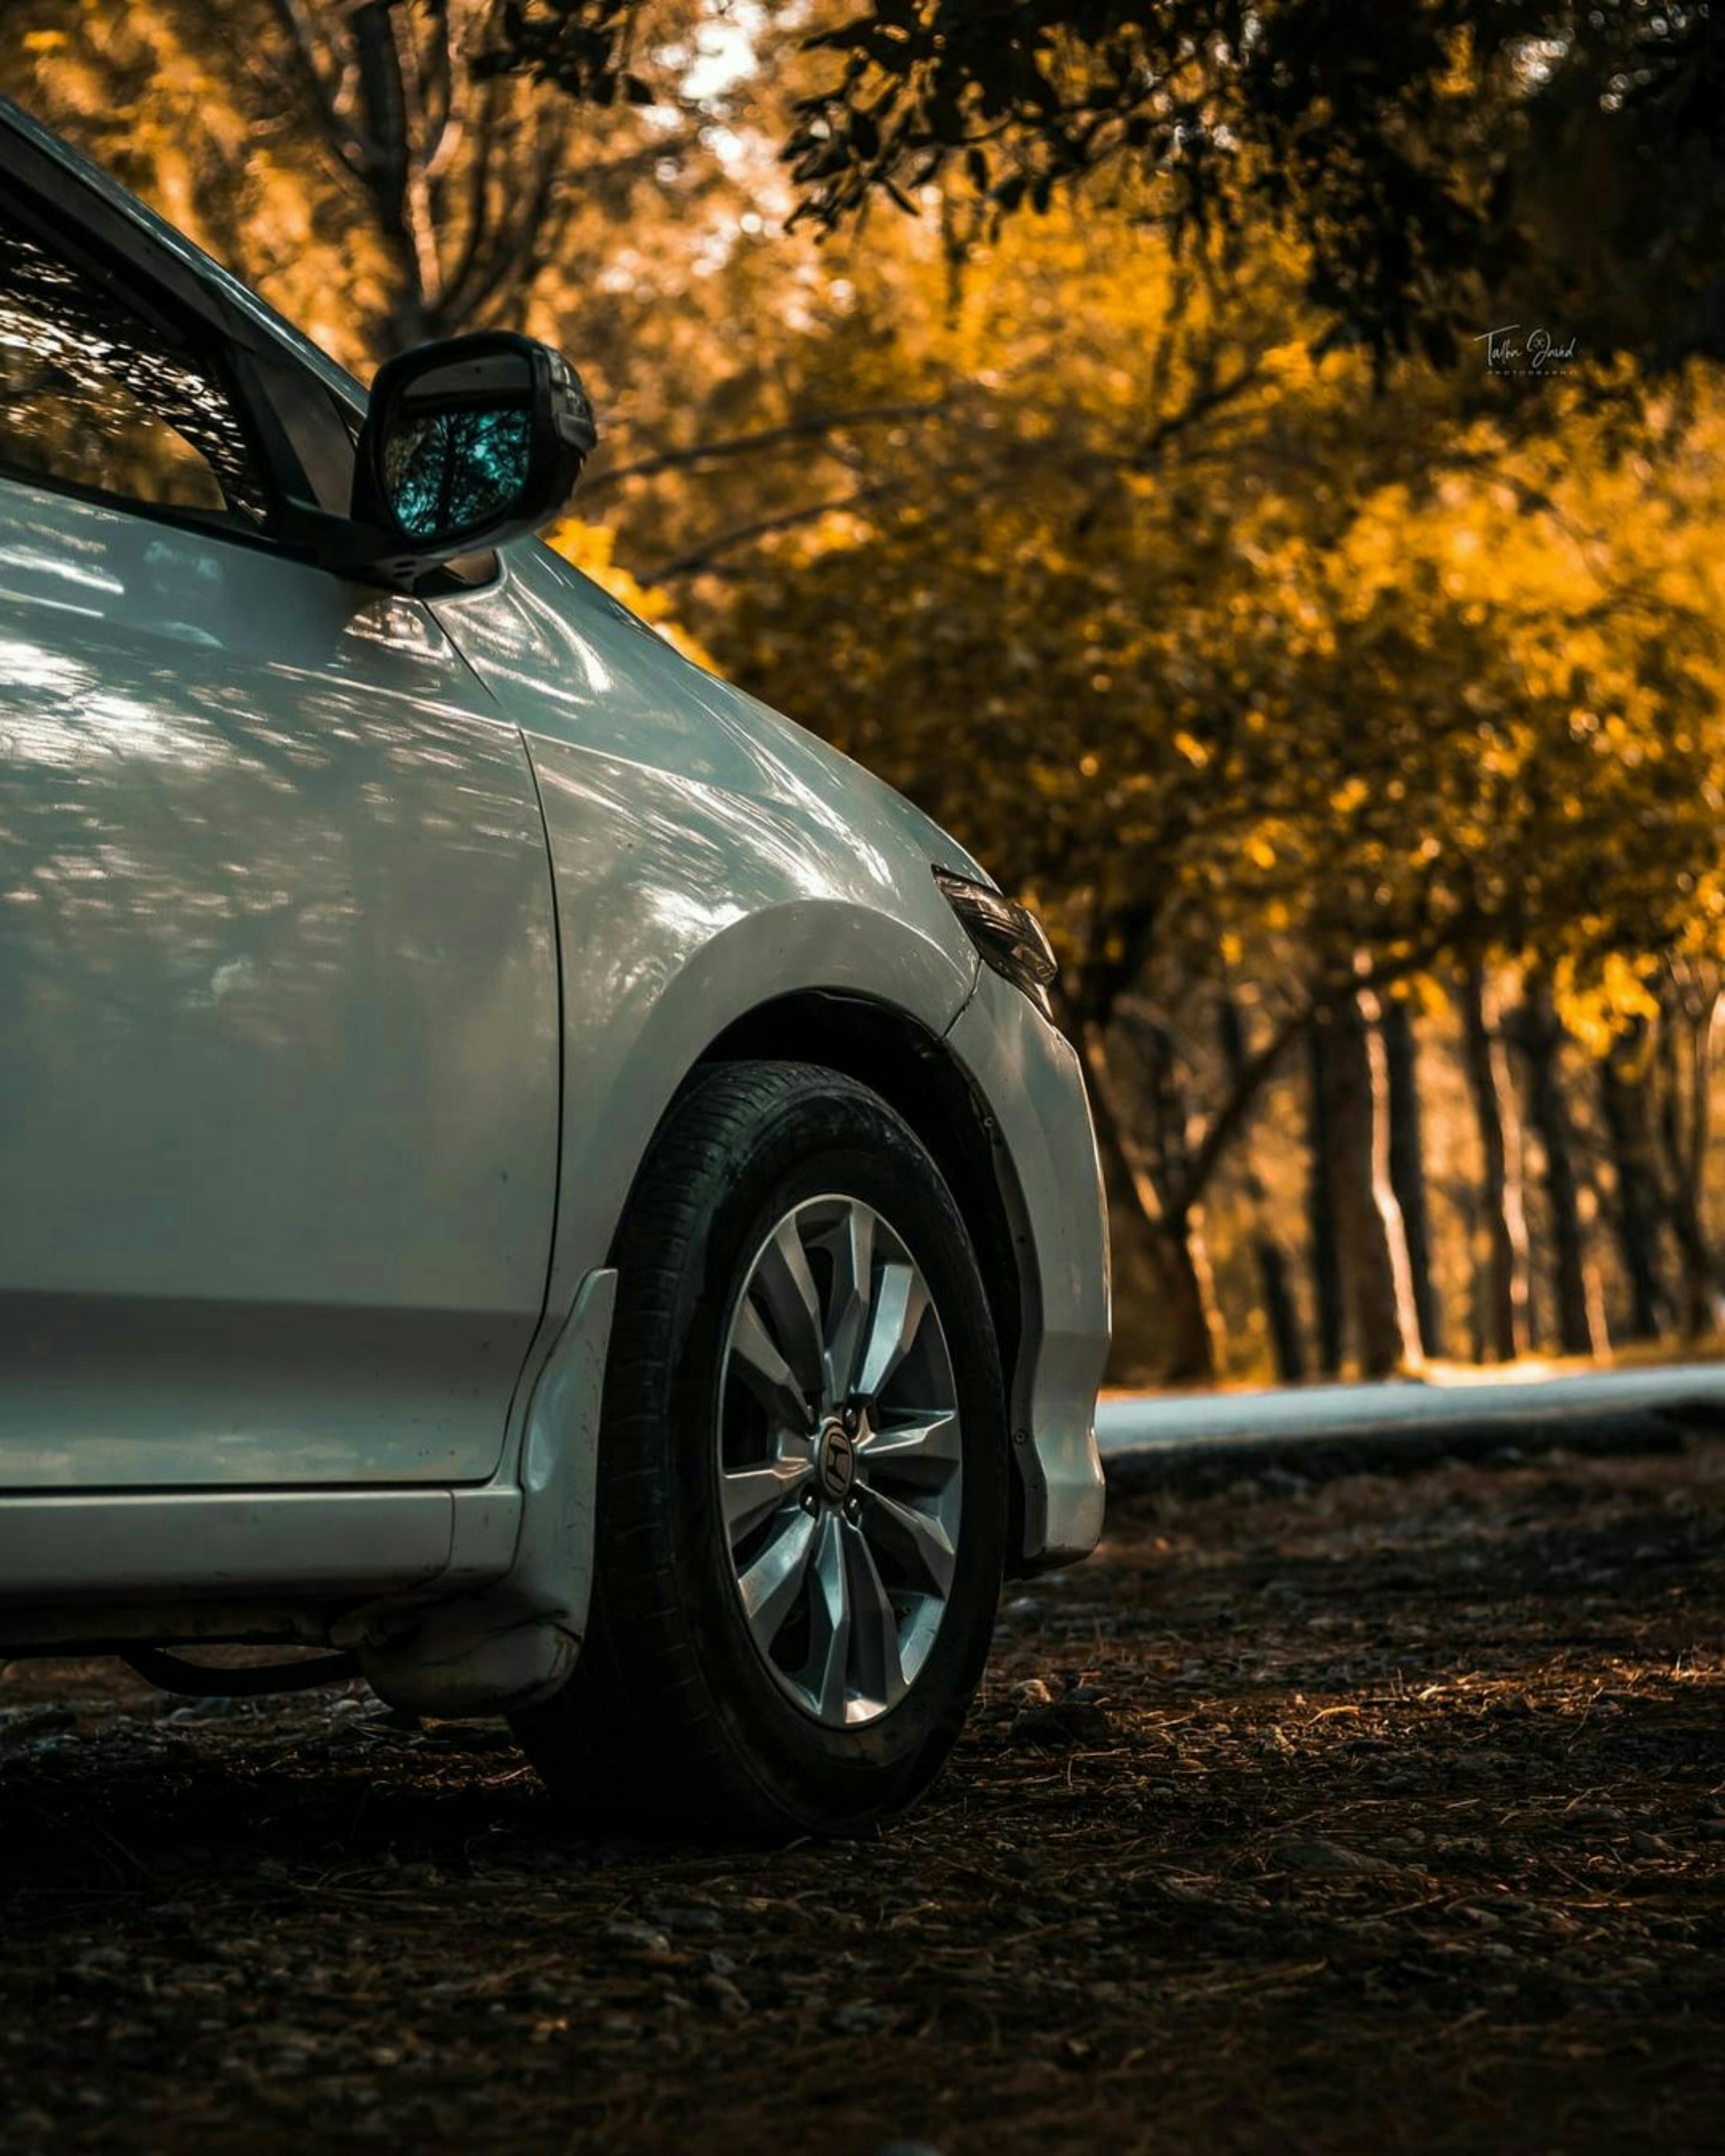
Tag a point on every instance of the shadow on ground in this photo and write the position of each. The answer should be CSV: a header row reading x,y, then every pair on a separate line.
x,y
1383,1814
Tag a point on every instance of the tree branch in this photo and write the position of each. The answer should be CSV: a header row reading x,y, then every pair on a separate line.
x,y
350,147
521,240
1199,406
744,535
768,437
479,176
1260,1068
440,96
418,219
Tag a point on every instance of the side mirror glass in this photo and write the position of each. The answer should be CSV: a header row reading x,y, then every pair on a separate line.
x,y
467,443
458,451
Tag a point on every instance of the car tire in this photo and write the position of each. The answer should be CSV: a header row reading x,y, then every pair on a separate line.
x,y
703,1702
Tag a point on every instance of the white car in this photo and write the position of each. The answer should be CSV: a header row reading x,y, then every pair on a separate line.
x,y
518,1166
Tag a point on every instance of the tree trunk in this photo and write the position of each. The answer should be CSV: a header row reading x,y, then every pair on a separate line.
x,y
1505,1277
1193,1328
1407,1166
394,178
1684,1106
1281,1312
1637,1199
1467,1205
1580,1307
1377,1288
1275,1288
1174,1242
1321,1204
1703,1026
1701,1124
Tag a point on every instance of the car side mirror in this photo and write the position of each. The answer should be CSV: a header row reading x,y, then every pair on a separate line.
x,y
466,443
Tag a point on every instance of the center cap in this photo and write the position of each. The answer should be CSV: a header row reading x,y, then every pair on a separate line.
x,y
835,1463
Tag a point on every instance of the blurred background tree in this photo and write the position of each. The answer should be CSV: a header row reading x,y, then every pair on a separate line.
x,y
1144,504
1424,156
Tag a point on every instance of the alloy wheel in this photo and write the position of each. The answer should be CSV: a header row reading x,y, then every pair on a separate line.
x,y
840,1469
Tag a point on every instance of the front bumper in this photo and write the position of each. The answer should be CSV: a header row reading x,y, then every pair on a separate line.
x,y
1033,1088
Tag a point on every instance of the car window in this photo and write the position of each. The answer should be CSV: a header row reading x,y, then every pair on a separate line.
x,y
93,395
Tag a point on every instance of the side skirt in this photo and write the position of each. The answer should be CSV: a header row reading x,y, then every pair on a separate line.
x,y
303,1545
462,1601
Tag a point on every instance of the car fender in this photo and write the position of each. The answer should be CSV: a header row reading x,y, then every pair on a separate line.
x,y
707,857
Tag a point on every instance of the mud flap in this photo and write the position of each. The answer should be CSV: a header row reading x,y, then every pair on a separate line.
x,y
513,1644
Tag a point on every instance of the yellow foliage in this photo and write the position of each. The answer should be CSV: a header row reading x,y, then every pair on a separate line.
x,y
1598,1009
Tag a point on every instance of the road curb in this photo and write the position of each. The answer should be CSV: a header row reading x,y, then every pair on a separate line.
x,y
1206,1465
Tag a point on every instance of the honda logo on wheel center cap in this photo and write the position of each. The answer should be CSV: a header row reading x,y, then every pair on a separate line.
x,y
835,1463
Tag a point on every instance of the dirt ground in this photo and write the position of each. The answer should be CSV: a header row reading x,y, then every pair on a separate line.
x,y
1387,1814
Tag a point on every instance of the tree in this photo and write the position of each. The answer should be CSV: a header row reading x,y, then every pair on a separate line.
x,y
1165,1218
369,167
1507,1288
1407,1164
1578,1304
1322,1233
1096,613
1637,1198
1377,1282
1689,998
463,180
1274,1284
1429,157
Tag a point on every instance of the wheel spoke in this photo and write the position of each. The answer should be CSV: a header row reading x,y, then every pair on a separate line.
x,y
900,1303
787,1287
766,1372
919,1543
770,1585
874,1649
924,1448
829,1620
853,1249
752,1493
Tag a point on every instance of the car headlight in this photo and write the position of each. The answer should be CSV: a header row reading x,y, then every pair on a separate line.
x,y
1008,936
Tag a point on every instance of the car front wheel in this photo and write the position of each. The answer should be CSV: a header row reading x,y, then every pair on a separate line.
x,y
801,1489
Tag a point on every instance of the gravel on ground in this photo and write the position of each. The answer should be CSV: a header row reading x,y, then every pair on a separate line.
x,y
1378,1813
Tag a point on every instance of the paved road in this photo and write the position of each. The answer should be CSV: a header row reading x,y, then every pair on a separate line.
x,y
1155,1421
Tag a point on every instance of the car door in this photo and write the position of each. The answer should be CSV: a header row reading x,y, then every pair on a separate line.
x,y
278,989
